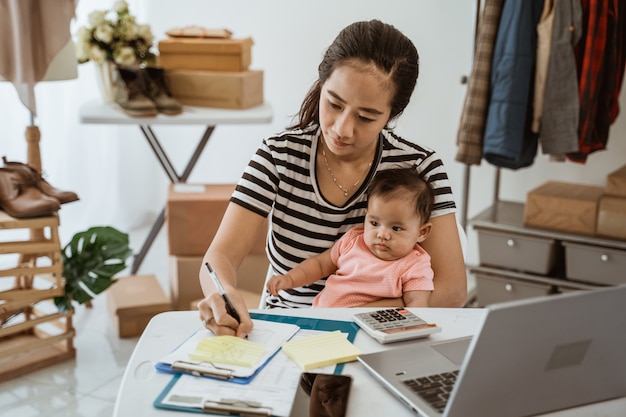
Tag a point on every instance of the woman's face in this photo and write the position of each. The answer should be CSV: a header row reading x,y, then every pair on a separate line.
x,y
355,105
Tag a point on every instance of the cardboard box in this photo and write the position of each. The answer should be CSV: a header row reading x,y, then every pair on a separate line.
x,y
209,54
252,272
184,281
612,217
567,207
230,90
133,301
194,213
185,289
616,182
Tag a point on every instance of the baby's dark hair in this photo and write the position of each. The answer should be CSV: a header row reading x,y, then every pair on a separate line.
x,y
407,184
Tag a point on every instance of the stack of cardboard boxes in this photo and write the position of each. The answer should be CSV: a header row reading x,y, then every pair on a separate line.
x,y
612,206
579,208
211,71
194,213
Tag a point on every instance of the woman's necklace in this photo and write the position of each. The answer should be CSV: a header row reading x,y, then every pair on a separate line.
x,y
345,191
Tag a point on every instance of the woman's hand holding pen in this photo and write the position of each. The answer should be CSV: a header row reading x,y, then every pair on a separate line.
x,y
216,318
222,311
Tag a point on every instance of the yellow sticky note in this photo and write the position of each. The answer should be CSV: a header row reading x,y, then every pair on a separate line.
x,y
228,350
321,350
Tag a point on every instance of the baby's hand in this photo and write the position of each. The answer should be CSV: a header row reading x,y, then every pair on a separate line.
x,y
279,282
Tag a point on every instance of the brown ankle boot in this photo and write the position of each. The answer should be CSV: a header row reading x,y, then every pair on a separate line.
x,y
22,199
159,92
33,176
131,93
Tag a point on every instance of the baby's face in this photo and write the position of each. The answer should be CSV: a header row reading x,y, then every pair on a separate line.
x,y
392,227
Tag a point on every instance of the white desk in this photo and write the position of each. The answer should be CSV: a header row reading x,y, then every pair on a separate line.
x,y
141,384
98,112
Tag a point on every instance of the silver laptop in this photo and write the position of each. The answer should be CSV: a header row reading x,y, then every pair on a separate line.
x,y
528,357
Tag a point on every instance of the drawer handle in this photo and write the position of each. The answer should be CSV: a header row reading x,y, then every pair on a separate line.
x,y
508,287
510,243
604,257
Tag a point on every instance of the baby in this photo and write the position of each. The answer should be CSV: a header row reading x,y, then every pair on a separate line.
x,y
381,259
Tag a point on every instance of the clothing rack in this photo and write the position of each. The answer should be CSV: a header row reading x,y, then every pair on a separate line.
x,y
467,171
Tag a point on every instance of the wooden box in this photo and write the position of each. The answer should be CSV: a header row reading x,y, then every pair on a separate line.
x,y
612,217
567,207
133,301
185,281
229,90
185,286
194,213
616,182
209,54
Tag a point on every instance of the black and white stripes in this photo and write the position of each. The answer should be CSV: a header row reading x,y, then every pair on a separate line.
x,y
281,180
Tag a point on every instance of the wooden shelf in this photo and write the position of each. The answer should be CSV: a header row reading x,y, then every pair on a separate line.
x,y
37,357
33,334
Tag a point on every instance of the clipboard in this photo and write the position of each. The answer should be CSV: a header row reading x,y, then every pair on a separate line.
x,y
178,361
255,401
222,406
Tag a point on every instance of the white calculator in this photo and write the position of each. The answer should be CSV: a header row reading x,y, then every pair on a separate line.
x,y
394,324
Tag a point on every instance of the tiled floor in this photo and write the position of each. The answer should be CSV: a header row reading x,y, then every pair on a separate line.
x,y
86,386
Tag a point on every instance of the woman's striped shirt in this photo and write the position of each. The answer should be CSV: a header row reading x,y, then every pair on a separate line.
x,y
280,182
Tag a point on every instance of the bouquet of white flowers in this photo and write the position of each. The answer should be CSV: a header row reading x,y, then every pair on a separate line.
x,y
113,35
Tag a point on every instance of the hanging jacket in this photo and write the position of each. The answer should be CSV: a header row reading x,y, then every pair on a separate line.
x,y
558,132
509,141
600,59
474,115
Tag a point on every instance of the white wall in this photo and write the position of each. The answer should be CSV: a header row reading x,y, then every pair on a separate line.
x,y
290,37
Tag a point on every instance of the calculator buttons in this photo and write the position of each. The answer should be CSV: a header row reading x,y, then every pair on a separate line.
x,y
393,324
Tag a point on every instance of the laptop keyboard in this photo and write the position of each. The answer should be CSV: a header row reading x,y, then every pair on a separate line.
x,y
434,389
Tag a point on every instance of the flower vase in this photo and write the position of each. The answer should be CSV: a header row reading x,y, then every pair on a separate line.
x,y
107,80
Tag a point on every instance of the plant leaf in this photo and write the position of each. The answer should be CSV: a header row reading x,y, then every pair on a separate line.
x,y
90,261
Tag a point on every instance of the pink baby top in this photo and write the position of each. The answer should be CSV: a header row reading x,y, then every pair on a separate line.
x,y
361,277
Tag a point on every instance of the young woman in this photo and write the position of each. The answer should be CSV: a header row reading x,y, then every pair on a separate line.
x,y
311,180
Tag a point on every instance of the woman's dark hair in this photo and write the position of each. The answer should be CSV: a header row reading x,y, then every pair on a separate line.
x,y
372,42
404,183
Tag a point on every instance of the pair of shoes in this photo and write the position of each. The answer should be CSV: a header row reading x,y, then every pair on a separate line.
x,y
20,198
33,176
143,92
28,176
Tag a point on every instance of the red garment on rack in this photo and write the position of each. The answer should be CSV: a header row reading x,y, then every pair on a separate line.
x,y
32,32
600,60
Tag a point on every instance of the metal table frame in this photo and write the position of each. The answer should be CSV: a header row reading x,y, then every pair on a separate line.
x,y
98,112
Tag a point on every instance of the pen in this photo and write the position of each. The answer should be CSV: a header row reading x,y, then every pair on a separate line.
x,y
216,281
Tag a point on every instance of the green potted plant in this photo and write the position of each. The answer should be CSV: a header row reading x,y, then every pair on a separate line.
x,y
90,261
